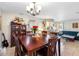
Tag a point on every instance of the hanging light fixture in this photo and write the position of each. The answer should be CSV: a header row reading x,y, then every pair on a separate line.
x,y
33,8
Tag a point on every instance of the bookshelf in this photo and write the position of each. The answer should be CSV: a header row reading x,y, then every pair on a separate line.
x,y
17,28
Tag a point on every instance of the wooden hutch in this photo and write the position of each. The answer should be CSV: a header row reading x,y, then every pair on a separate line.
x,y
17,27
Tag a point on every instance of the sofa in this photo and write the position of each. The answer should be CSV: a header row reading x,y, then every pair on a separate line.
x,y
70,35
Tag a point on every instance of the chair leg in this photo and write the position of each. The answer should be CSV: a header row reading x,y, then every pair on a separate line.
x,y
55,52
34,53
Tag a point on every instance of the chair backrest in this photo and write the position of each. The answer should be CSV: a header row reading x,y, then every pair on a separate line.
x,y
52,46
55,33
52,34
29,32
17,47
44,33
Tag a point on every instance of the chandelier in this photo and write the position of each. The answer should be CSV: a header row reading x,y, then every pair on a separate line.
x,y
33,8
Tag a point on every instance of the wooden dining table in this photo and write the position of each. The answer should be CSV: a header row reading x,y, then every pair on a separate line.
x,y
32,43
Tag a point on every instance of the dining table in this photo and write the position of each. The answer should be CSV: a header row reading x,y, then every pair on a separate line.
x,y
33,43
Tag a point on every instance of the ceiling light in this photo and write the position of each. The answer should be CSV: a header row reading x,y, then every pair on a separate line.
x,y
33,8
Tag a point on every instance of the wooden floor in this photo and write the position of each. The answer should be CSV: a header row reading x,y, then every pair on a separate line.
x,y
69,48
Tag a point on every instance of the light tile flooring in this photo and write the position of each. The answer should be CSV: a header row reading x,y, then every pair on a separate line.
x,y
69,48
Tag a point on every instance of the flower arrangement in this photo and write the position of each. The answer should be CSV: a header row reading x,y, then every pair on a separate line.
x,y
34,29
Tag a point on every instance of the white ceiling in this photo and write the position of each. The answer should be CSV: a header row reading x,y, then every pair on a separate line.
x,y
55,10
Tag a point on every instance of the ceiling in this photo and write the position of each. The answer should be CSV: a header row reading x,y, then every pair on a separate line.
x,y
54,10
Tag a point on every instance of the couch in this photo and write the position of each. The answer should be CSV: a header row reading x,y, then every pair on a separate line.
x,y
70,35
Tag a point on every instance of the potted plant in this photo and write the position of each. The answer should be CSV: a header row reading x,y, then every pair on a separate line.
x,y
34,29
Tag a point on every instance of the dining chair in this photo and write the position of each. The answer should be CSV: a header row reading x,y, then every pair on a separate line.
x,y
24,51
49,49
53,34
18,47
44,32
29,33
52,47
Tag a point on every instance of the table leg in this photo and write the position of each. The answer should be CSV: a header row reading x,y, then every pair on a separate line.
x,y
59,48
30,53
34,53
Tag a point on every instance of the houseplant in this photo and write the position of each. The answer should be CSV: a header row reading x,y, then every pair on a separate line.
x,y
34,29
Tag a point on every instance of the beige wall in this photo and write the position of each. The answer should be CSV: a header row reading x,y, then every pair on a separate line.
x,y
0,19
0,22
58,25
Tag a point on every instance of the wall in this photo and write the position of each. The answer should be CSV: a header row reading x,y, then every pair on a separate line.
x,y
0,19
58,25
37,22
0,22
0,32
67,25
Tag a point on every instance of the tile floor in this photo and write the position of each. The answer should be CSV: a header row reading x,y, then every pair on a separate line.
x,y
69,48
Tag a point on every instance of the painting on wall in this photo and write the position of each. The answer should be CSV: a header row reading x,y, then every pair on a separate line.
x,y
75,25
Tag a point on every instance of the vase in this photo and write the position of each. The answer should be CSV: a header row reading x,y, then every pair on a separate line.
x,y
34,32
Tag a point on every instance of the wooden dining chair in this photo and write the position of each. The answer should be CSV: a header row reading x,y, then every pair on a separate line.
x,y
53,34
24,51
44,33
29,33
18,47
52,47
49,49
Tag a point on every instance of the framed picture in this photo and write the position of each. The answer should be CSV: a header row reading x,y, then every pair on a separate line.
x,y
75,25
